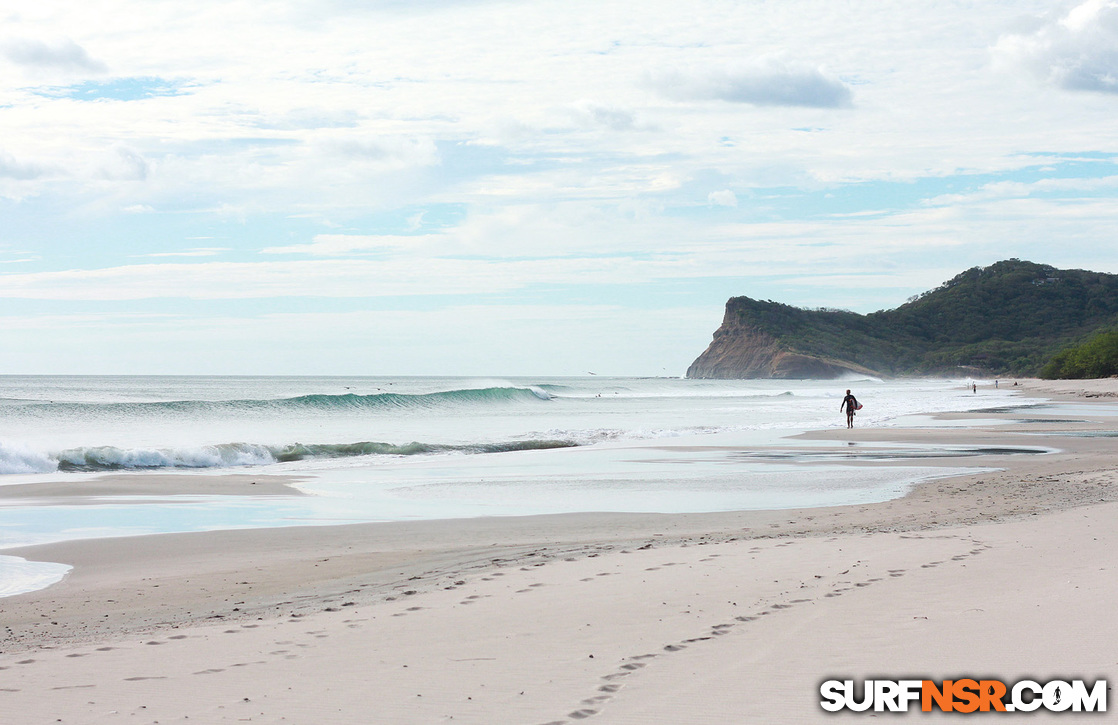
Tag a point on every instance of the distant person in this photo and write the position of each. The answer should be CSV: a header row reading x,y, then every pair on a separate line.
x,y
995,383
851,405
974,388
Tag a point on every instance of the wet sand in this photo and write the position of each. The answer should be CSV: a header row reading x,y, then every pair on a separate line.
x,y
610,618
84,489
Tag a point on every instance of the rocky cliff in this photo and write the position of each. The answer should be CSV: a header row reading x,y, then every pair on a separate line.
x,y
740,350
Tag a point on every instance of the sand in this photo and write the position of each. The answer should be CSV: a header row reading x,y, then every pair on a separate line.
x,y
604,618
101,489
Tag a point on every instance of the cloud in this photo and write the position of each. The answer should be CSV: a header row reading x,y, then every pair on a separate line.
x,y
769,82
60,55
1077,52
338,245
725,197
10,168
124,164
389,151
1000,190
591,113
196,252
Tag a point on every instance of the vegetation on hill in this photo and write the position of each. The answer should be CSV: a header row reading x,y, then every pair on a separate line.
x,y
1009,318
1096,358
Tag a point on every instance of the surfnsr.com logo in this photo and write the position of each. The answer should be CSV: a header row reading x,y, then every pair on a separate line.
x,y
965,695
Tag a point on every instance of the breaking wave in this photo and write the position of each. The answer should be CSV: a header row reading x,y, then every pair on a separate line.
x,y
17,459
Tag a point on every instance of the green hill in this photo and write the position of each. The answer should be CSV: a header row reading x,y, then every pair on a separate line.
x,y
1096,358
1006,319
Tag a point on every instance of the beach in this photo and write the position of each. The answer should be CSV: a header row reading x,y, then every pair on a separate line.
x,y
606,617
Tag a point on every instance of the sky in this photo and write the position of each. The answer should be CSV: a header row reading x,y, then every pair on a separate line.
x,y
482,187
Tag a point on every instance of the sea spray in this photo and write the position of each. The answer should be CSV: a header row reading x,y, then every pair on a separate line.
x,y
19,458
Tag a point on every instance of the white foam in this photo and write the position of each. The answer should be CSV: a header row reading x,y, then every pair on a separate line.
x,y
19,458
19,576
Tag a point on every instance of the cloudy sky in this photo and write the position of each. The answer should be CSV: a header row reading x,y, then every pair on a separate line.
x,y
485,187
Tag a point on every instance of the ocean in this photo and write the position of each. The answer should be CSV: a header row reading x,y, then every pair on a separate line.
x,y
399,448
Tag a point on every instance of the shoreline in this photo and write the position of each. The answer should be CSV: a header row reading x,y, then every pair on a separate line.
x,y
261,583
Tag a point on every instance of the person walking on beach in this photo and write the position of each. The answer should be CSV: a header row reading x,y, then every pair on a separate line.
x,y
851,405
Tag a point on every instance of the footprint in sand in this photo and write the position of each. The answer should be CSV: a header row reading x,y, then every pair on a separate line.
x,y
609,688
177,636
155,642
208,672
105,649
76,655
25,662
140,679
582,714
674,647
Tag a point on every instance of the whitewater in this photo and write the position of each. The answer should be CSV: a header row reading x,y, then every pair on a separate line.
x,y
74,424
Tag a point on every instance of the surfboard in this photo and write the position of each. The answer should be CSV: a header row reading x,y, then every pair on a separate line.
x,y
858,407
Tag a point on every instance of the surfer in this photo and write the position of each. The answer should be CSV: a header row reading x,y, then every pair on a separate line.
x,y
851,405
